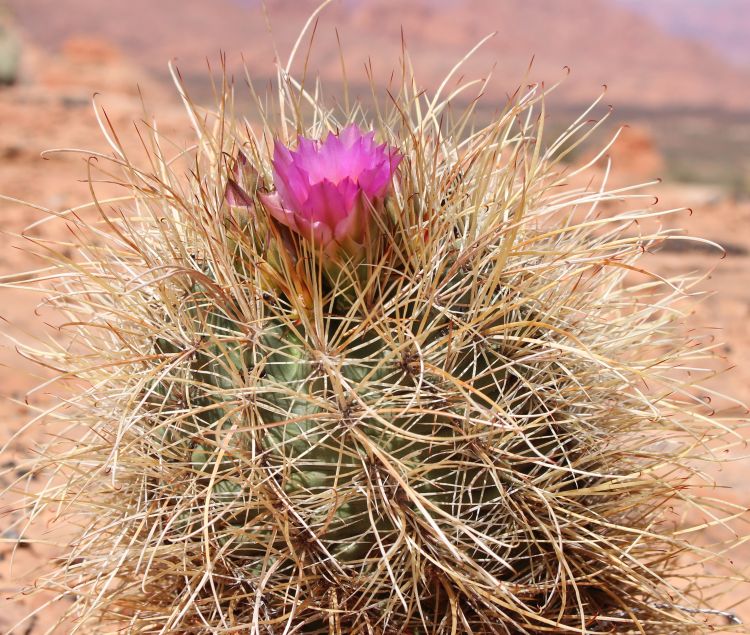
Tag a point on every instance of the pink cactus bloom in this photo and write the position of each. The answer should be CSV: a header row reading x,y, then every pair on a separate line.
x,y
326,190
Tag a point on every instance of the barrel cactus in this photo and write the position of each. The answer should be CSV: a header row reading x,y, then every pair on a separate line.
x,y
351,371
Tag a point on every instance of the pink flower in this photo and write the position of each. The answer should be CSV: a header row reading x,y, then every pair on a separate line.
x,y
325,190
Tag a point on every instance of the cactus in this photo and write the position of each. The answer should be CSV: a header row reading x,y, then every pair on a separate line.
x,y
457,414
10,56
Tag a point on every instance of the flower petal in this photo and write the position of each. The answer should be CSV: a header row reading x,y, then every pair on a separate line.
x,y
325,190
375,181
330,202
235,195
350,134
354,224
321,234
274,206
291,182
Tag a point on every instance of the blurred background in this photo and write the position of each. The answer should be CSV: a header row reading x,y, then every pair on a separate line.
x,y
677,73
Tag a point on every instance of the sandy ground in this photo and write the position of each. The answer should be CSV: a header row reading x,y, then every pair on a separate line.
x,y
52,109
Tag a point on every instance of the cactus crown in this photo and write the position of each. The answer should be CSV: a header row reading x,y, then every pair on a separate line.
x,y
471,421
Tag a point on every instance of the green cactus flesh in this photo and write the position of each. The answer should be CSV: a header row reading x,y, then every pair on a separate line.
x,y
274,445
